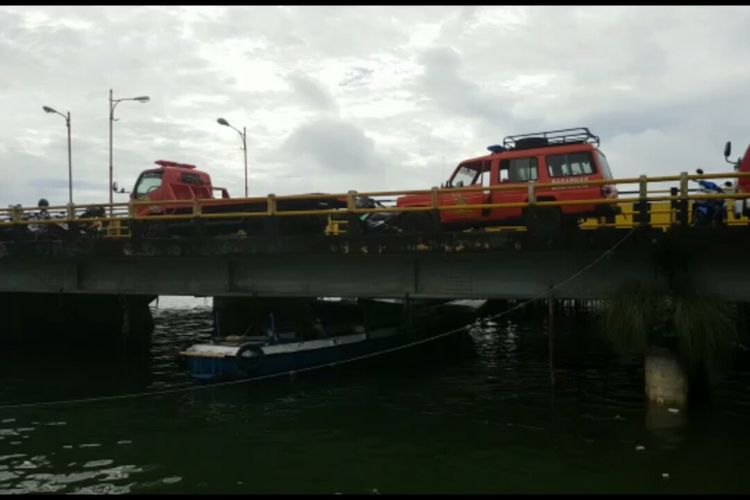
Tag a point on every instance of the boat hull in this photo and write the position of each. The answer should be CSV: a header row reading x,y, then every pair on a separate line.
x,y
211,363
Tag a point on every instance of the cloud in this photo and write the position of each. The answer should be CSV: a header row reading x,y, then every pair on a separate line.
x,y
374,97
332,145
442,83
312,92
357,77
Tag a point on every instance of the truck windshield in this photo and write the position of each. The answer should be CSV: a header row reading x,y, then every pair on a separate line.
x,y
605,165
147,183
465,175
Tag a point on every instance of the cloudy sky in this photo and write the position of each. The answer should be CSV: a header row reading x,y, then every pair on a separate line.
x,y
366,98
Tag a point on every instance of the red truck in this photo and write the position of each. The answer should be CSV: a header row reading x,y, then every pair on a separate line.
x,y
182,181
742,185
557,157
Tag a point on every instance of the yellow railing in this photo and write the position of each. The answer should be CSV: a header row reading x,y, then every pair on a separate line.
x,y
661,213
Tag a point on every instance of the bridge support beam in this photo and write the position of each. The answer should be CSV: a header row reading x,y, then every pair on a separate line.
x,y
93,319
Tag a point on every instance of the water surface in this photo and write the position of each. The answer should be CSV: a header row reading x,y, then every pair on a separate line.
x,y
487,422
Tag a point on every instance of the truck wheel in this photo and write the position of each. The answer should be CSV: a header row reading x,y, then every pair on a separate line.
x,y
415,222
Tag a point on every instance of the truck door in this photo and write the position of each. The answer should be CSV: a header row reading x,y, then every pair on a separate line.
x,y
472,176
514,173
571,167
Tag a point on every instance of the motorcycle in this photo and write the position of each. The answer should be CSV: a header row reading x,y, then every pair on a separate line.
x,y
708,212
376,222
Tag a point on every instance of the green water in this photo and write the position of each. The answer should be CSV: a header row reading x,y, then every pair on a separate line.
x,y
483,422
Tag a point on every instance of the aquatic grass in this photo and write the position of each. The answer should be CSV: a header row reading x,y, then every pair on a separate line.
x,y
629,317
701,331
706,329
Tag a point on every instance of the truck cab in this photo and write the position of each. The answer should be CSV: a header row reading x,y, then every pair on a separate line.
x,y
172,181
557,157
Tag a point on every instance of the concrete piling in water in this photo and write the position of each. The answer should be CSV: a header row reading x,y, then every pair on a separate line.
x,y
666,381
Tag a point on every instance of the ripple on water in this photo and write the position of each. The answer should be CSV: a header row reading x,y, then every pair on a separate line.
x,y
97,463
104,489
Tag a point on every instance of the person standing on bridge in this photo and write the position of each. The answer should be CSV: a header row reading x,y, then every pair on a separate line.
x,y
736,205
43,212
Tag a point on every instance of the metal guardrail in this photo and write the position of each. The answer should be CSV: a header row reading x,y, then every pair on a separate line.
x,y
122,212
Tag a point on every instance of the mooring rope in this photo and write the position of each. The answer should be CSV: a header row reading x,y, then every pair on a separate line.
x,y
191,386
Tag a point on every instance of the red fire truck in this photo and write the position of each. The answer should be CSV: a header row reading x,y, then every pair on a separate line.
x,y
556,157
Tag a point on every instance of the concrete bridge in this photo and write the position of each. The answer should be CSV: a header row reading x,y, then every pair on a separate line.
x,y
97,287
503,265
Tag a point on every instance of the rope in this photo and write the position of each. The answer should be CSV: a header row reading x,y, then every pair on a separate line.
x,y
192,387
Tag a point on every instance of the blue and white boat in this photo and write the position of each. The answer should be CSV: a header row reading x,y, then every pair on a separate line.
x,y
250,357
245,357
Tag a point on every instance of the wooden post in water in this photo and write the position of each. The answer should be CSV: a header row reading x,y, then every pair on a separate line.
x,y
408,314
551,335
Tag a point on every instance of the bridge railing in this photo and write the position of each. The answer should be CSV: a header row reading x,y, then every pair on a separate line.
x,y
674,202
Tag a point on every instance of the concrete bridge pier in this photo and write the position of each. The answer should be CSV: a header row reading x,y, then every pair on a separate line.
x,y
80,318
136,321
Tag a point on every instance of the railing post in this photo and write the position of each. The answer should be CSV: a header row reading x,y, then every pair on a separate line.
x,y
674,206
434,198
683,203
17,213
435,213
135,227
197,223
70,214
643,206
532,192
270,222
352,219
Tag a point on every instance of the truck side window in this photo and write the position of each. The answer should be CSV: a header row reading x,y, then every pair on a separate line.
x,y
190,178
484,175
565,165
519,170
504,177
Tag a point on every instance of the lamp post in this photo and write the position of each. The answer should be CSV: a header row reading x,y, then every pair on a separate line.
x,y
243,135
47,109
112,105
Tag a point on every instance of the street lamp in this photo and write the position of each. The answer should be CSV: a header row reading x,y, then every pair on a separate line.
x,y
112,104
243,135
47,109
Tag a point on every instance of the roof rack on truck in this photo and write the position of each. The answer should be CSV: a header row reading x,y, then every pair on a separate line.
x,y
550,138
